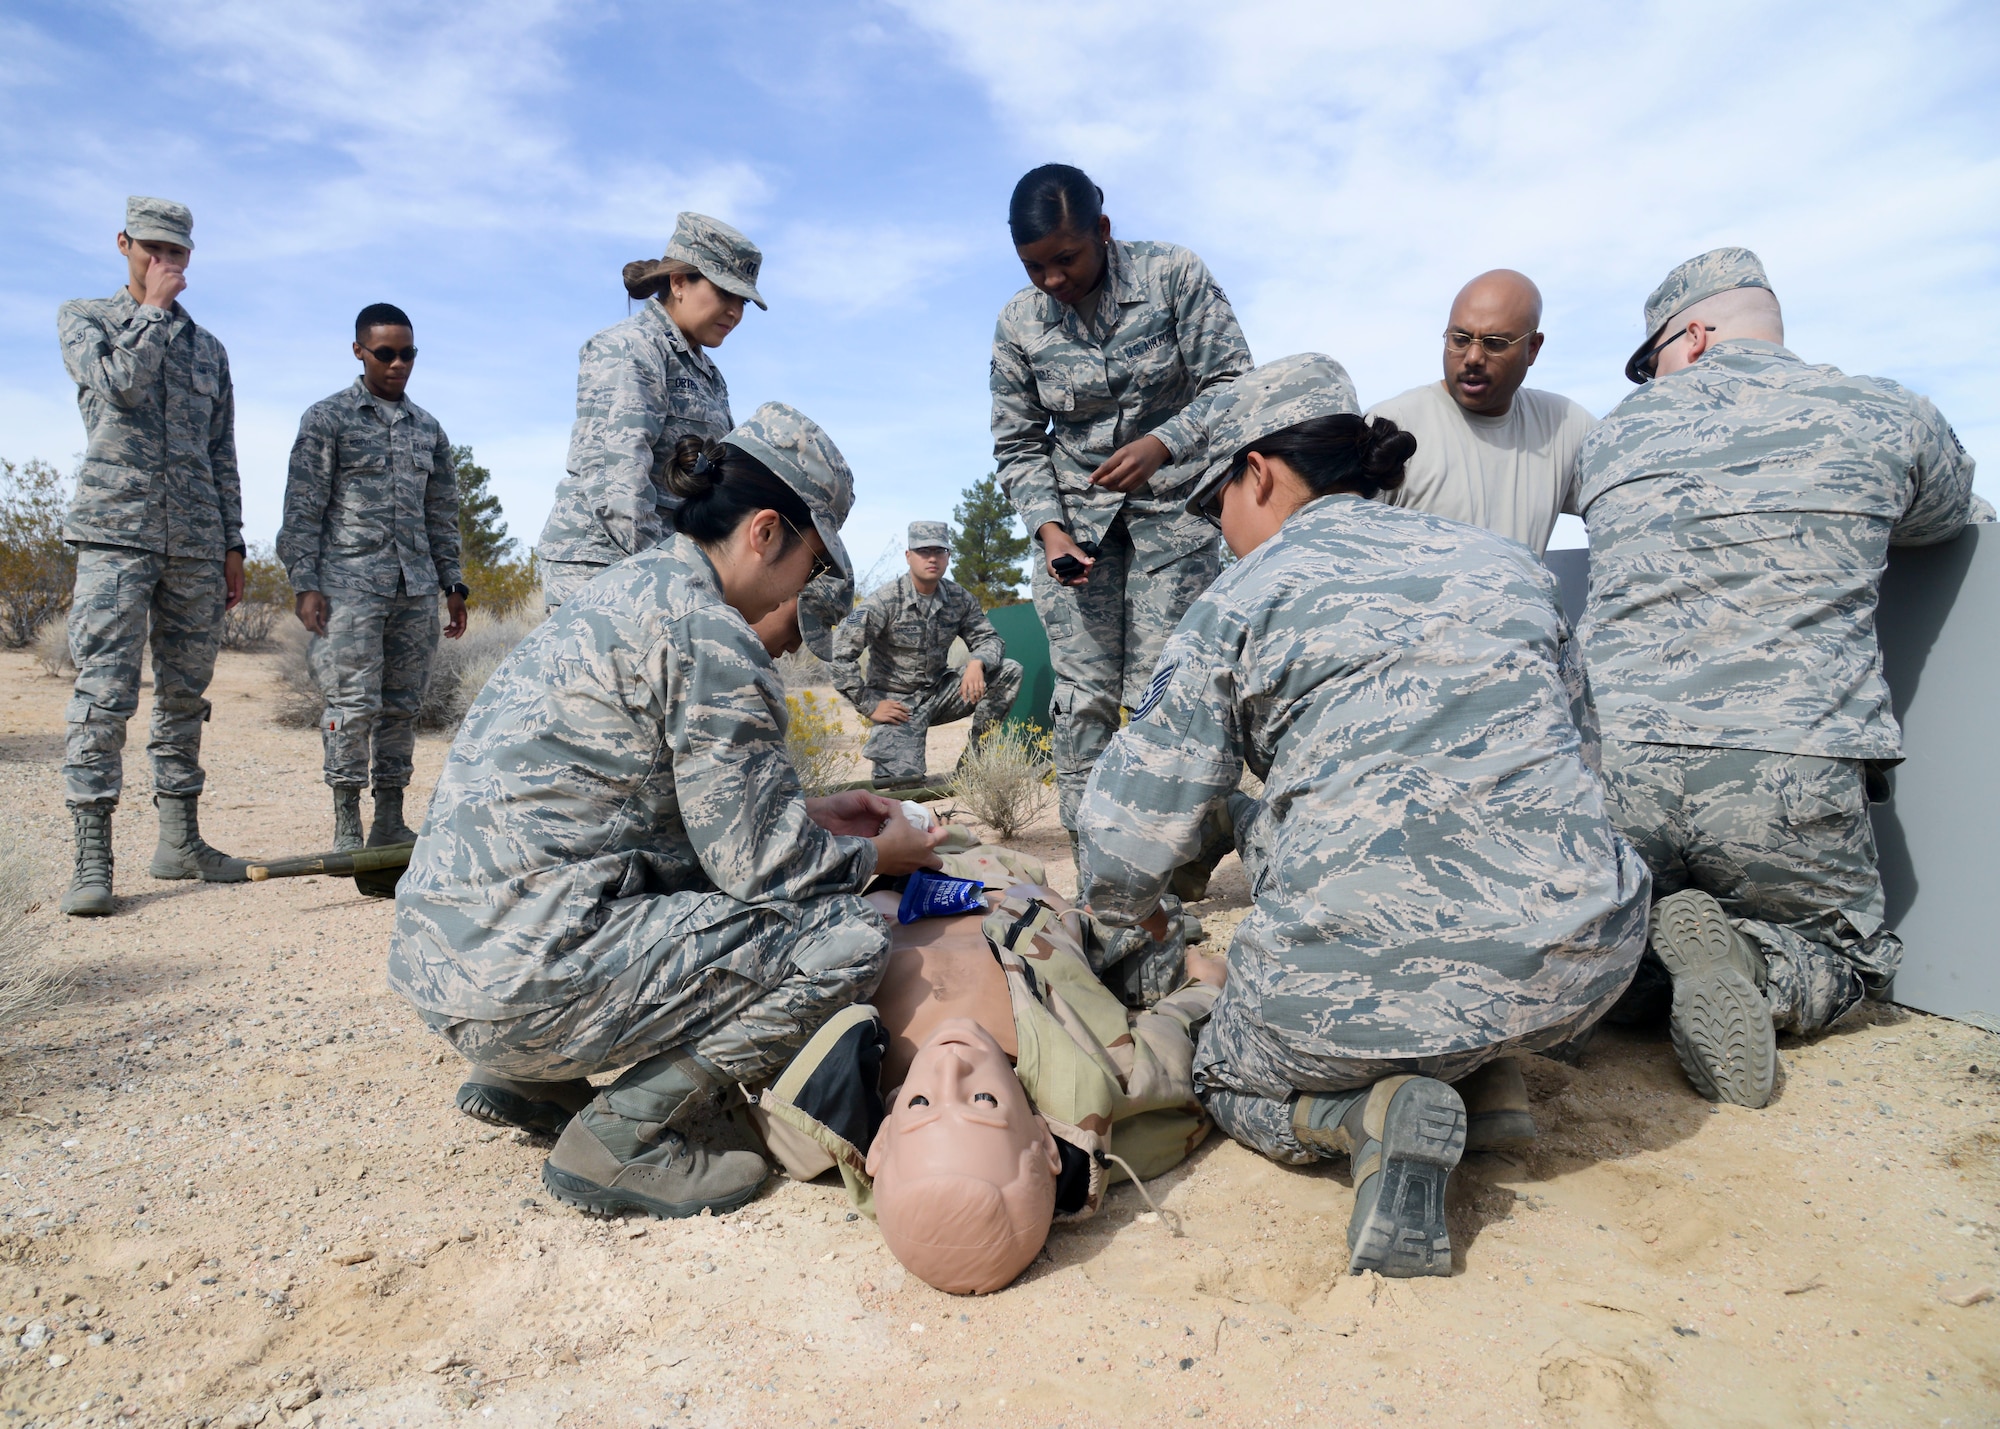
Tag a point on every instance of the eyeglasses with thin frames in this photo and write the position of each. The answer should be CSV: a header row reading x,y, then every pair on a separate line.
x,y
821,565
1458,340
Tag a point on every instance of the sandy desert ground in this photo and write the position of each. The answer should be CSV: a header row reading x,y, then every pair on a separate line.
x,y
234,1191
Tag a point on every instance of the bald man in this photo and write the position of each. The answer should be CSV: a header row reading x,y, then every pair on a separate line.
x,y
1491,452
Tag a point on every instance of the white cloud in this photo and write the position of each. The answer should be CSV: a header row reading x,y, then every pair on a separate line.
x,y
1345,168
855,270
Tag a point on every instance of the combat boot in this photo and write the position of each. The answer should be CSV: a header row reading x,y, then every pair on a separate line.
x,y
1411,1135
89,893
602,1166
1497,1116
389,827
346,818
542,1107
182,853
1722,1028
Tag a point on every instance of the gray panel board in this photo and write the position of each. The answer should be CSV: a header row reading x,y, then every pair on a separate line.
x,y
1941,648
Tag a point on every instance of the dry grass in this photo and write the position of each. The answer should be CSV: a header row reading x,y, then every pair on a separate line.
x,y
29,985
1004,780
459,672
52,649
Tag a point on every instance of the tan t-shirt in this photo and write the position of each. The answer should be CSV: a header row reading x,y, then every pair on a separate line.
x,y
1512,475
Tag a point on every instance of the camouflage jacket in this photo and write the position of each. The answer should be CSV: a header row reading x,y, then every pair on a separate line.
x,y
1741,512
159,473
906,648
1066,395
632,745
640,387
371,499
1431,864
1108,1080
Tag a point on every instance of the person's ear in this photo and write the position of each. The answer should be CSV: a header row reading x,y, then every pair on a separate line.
x,y
357,349
1261,479
1534,348
124,243
1699,338
1104,228
764,539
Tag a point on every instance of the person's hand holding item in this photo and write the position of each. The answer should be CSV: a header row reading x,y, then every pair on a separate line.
x,y
855,813
890,712
312,611
1058,543
972,684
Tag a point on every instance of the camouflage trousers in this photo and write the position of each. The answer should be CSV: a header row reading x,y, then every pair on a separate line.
x,y
372,666
1783,842
563,579
1104,638
897,750
118,591
1232,1057
742,985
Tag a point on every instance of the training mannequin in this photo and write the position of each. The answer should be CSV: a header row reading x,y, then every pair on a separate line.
x,y
1014,1078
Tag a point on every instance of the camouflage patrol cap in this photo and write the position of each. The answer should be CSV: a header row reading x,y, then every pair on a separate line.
x,y
725,257
1269,399
800,454
1717,271
159,219
929,533
823,604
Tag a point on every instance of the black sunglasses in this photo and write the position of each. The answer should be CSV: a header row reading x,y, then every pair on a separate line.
x,y
387,355
1650,363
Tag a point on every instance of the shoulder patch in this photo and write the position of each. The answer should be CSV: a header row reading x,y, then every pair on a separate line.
x,y
1157,691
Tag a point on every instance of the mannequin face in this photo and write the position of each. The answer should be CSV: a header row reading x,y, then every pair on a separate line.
x,y
962,1112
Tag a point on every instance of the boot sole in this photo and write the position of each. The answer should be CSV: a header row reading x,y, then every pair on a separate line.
x,y
88,907
595,1200
1403,1234
1721,1024
496,1106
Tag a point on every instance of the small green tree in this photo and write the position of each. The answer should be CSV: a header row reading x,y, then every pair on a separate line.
x,y
986,559
482,536
36,568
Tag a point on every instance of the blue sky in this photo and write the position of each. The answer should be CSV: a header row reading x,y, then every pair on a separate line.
x,y
1342,168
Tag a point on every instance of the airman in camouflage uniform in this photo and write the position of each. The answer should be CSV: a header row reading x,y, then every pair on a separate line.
x,y
1741,510
371,524
157,527
1436,881
618,866
1067,393
906,635
641,386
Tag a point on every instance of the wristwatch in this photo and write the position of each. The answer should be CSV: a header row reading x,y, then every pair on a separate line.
x,y
461,590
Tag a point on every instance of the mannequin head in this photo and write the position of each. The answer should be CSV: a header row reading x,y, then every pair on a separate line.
x,y
964,1167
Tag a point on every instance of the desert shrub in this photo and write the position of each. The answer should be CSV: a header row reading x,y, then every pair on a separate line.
x,y
814,740
267,601
29,985
459,671
802,670
52,649
36,569
505,587
1004,780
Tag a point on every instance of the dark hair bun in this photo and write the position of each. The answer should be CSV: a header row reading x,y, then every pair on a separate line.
x,y
696,468
1384,450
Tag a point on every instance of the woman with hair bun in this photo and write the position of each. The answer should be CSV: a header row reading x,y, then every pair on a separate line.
x,y
619,869
641,386
1435,882
1099,373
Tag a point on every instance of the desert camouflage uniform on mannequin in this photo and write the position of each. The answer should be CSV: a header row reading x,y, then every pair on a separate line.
x,y
1741,511
906,636
371,522
158,505
640,387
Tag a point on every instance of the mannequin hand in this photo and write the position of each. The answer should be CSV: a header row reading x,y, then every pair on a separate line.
x,y
1132,465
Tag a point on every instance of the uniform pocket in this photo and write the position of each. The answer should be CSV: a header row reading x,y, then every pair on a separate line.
x,y
1054,393
1824,791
